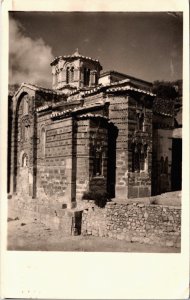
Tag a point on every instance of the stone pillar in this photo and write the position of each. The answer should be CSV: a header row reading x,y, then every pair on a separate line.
x,y
70,170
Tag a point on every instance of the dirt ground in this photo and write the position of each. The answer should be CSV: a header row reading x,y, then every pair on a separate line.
x,y
24,234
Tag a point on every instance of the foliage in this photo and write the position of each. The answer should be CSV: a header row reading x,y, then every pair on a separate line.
x,y
165,89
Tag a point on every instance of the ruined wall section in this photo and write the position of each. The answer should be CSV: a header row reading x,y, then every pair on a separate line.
x,y
134,222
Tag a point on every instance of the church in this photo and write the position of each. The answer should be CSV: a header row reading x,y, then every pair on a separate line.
x,y
93,133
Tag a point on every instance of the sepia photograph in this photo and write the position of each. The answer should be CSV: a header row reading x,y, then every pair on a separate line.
x,y
94,160
94,152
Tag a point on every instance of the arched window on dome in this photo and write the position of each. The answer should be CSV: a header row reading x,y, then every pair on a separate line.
x,y
86,76
67,75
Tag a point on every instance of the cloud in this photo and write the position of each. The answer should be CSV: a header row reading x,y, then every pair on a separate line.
x,y
29,59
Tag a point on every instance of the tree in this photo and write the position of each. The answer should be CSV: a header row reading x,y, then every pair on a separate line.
x,y
165,90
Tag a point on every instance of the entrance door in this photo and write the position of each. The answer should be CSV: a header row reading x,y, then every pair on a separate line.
x,y
176,168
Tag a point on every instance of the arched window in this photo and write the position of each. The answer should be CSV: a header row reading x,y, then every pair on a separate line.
x,y
135,158
86,76
139,157
97,161
67,75
140,121
72,74
43,142
25,106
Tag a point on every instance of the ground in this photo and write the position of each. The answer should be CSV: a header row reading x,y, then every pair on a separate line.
x,y
25,234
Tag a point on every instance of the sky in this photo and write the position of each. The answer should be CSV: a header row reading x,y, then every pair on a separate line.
x,y
144,45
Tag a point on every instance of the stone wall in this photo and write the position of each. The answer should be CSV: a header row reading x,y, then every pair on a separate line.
x,y
54,158
134,222
52,214
92,135
123,112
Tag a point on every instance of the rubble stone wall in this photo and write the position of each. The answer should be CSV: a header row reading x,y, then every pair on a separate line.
x,y
134,222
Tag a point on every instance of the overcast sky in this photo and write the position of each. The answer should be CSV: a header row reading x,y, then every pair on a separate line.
x,y
144,45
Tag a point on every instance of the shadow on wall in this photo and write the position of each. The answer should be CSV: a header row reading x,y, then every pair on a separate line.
x,y
99,199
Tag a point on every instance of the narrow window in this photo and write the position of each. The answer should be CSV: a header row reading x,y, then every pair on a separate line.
x,y
166,165
86,76
25,106
67,75
135,159
26,133
143,158
162,165
139,158
97,162
140,121
72,74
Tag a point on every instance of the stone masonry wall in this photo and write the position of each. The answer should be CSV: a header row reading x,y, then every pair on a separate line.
x,y
91,135
54,165
123,112
134,222
82,152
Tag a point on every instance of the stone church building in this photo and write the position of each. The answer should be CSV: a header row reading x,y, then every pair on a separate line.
x,y
93,133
